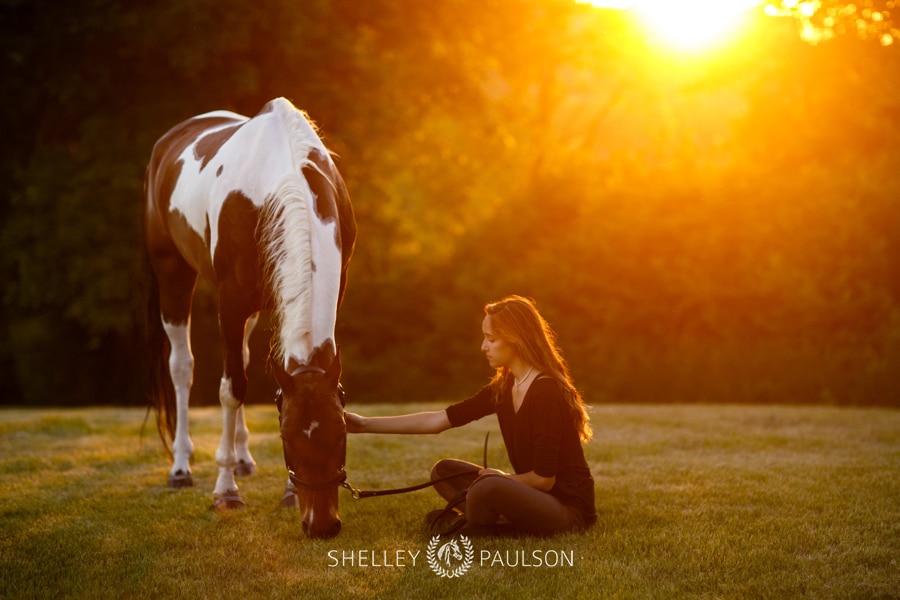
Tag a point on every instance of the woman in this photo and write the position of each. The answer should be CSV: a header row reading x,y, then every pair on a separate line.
x,y
543,421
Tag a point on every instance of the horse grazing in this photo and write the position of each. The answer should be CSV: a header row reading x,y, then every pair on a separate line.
x,y
256,206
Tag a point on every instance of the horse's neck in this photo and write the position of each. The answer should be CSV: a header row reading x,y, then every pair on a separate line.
x,y
305,260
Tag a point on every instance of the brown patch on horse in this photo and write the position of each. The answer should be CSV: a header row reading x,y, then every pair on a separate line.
x,y
323,188
208,146
162,186
237,258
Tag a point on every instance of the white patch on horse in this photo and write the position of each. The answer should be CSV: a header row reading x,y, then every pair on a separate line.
x,y
325,280
309,431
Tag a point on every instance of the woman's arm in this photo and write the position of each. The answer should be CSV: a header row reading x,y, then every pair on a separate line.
x,y
422,422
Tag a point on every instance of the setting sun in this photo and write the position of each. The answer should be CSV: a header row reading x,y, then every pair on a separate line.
x,y
686,25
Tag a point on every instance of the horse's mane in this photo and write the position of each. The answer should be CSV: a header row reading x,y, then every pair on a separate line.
x,y
285,235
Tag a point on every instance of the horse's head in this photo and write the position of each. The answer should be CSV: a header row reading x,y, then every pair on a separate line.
x,y
449,549
314,436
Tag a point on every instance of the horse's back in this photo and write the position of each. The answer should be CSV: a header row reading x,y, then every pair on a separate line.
x,y
207,161
165,166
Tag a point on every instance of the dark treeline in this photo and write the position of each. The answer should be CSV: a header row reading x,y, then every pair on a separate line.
x,y
718,228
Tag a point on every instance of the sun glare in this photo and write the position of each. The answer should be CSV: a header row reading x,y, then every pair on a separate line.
x,y
692,24
686,25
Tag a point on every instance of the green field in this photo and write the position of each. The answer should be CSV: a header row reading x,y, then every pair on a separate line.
x,y
696,501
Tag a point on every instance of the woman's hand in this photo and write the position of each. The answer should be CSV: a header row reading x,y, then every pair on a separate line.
x,y
484,472
355,423
531,479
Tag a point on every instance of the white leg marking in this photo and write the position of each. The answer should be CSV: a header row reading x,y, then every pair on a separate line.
x,y
181,368
225,455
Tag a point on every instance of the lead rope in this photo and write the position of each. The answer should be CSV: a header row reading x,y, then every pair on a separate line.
x,y
459,517
358,494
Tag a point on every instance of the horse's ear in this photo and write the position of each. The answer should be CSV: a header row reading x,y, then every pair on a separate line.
x,y
282,378
333,374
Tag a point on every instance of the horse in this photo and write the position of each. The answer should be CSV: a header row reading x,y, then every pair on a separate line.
x,y
257,207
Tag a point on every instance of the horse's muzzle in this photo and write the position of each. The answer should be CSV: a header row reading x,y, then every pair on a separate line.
x,y
329,531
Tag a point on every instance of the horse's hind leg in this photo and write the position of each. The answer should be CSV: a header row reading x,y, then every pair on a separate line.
x,y
177,282
245,464
181,367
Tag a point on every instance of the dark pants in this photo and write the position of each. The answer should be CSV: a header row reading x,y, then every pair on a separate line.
x,y
493,499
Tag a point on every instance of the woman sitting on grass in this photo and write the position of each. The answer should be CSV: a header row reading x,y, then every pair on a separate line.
x,y
543,421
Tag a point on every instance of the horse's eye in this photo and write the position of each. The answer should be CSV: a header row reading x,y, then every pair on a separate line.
x,y
342,395
279,397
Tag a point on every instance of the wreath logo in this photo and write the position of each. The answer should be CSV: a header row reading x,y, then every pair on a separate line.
x,y
448,559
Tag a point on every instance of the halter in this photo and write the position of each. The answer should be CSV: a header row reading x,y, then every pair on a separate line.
x,y
338,480
341,477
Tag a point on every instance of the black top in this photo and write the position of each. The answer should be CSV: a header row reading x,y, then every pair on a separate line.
x,y
541,437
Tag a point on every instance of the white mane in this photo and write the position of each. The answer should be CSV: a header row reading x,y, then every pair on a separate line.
x,y
286,237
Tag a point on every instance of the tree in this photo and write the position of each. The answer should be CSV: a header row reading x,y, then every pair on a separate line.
x,y
718,229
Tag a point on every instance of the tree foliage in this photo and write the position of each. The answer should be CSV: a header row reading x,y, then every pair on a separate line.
x,y
722,228
823,20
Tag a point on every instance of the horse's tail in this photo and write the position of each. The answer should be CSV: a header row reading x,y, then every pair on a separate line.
x,y
160,390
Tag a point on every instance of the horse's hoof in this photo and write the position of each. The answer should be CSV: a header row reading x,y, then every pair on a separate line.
x,y
290,499
180,480
244,469
228,501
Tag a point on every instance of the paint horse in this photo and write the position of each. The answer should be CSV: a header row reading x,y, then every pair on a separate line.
x,y
256,206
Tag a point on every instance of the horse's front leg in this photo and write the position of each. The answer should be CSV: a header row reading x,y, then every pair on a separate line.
x,y
226,495
245,463
232,390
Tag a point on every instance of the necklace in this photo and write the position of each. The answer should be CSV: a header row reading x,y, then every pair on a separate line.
x,y
524,379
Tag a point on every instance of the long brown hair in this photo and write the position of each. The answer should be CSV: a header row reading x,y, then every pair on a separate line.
x,y
516,321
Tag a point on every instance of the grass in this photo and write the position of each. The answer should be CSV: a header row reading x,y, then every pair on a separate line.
x,y
695,501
